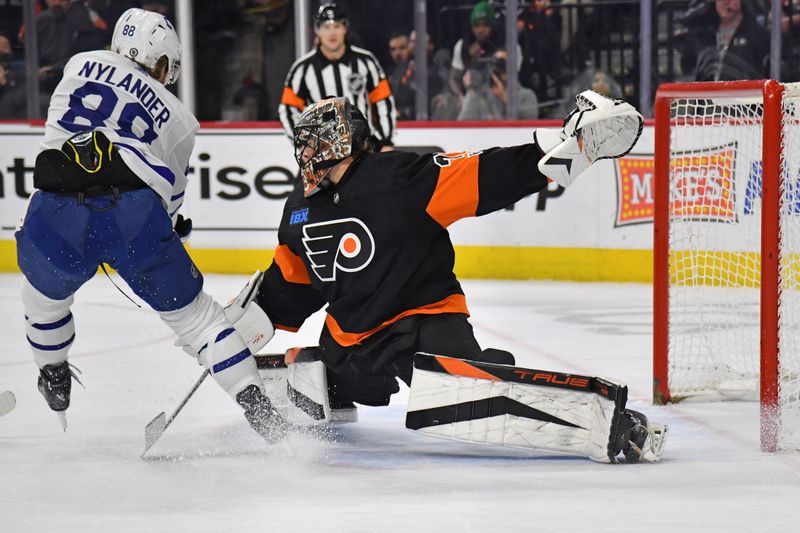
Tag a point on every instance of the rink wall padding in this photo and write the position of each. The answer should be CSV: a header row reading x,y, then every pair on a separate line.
x,y
600,229
472,262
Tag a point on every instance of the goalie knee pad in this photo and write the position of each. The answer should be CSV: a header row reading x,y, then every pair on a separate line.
x,y
525,408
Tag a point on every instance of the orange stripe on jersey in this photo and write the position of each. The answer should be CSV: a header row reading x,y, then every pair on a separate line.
x,y
381,92
286,328
457,367
290,98
455,303
456,193
292,267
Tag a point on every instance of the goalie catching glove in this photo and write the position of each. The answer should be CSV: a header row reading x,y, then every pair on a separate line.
x,y
598,128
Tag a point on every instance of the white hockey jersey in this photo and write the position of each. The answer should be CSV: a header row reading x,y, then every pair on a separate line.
x,y
152,129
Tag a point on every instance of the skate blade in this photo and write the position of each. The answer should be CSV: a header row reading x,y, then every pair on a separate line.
x,y
62,419
651,451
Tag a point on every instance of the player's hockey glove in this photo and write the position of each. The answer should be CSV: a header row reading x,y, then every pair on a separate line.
x,y
183,227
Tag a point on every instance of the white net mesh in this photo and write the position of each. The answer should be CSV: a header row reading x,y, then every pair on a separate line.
x,y
714,252
789,301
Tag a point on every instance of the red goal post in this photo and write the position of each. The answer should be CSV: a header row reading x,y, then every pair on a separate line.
x,y
726,244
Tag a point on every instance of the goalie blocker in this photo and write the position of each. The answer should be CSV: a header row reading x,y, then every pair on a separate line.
x,y
525,408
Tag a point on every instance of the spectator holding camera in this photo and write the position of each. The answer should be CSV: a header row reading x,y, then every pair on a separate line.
x,y
486,95
481,43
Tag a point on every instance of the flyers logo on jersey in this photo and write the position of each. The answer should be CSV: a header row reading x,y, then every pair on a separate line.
x,y
345,244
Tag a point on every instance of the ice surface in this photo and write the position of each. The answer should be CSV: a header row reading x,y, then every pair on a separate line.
x,y
210,472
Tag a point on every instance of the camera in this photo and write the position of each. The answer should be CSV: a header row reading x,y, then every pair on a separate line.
x,y
482,70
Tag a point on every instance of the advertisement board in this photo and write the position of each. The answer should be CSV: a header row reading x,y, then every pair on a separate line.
x,y
239,178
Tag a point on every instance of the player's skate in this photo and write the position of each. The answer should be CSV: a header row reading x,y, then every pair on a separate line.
x,y
638,439
599,128
262,416
55,384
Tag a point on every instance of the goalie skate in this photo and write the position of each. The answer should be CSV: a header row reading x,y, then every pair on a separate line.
x,y
598,128
641,440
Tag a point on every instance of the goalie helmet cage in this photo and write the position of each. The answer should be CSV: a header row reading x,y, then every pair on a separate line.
x,y
726,243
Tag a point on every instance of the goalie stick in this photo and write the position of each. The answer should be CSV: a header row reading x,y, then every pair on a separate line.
x,y
158,425
7,402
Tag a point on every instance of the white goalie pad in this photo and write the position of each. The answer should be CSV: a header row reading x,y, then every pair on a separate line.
x,y
250,320
307,391
300,390
509,406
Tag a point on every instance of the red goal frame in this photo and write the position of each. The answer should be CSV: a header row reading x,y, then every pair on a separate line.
x,y
771,91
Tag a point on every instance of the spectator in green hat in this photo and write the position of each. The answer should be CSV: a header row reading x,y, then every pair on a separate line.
x,y
474,51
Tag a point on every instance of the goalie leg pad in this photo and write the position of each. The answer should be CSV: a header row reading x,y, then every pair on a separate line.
x,y
511,406
308,394
255,327
307,391
249,319
204,327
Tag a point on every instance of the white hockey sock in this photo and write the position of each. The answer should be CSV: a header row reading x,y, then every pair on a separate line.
x,y
49,326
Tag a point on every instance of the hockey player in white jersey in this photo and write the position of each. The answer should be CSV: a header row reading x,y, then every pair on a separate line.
x,y
110,182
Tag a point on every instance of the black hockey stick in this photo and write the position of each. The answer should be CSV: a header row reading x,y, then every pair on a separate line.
x,y
156,427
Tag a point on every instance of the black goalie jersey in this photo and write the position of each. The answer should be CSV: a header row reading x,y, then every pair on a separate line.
x,y
375,247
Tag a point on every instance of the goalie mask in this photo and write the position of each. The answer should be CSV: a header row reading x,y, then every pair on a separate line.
x,y
145,37
327,133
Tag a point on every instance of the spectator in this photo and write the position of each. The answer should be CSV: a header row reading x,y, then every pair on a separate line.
x,y
487,95
5,46
404,78
13,100
402,75
335,68
481,43
592,78
738,48
63,29
540,28
790,49
162,7
400,50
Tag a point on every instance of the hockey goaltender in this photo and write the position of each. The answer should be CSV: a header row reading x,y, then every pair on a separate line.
x,y
366,234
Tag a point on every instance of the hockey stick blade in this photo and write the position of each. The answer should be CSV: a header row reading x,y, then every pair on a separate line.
x,y
153,430
157,426
7,402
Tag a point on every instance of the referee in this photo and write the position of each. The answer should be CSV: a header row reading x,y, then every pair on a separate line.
x,y
336,68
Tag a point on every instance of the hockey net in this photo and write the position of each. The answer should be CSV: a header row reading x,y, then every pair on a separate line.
x,y
726,249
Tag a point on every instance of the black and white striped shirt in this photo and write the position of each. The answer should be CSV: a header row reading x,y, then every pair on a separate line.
x,y
357,76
